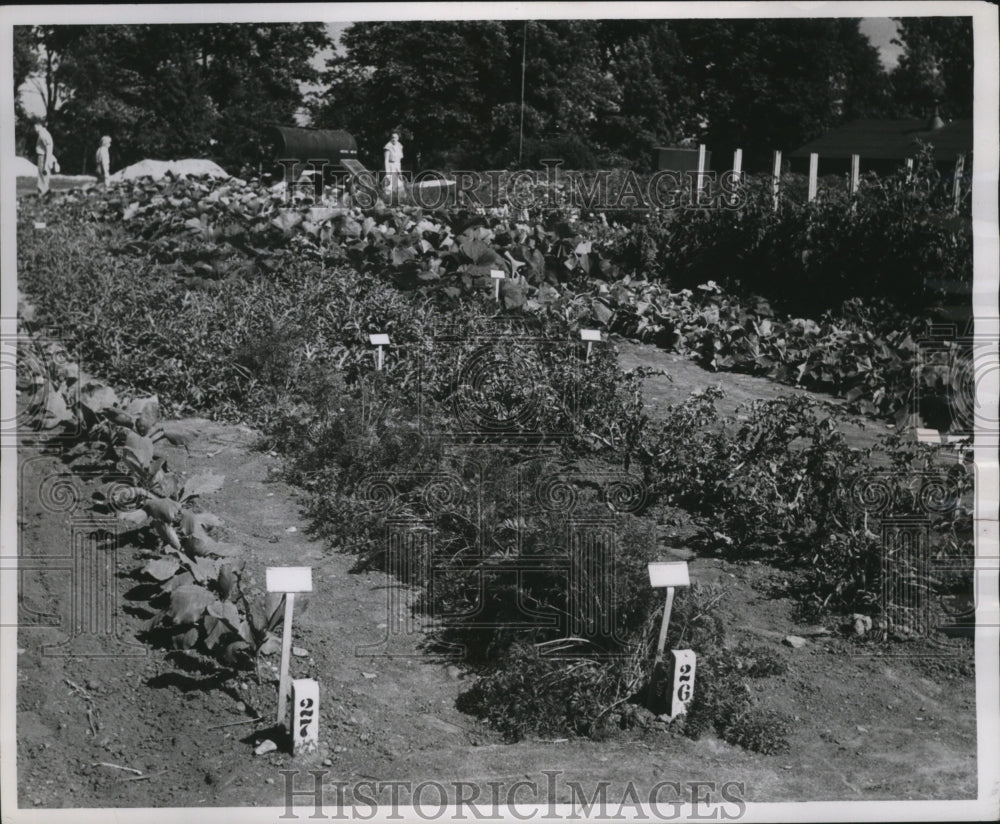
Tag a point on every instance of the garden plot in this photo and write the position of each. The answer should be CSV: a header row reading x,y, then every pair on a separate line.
x,y
762,503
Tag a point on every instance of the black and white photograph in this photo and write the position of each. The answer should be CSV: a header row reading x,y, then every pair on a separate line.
x,y
477,411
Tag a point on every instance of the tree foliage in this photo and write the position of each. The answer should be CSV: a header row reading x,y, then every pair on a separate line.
x,y
600,92
936,67
610,89
170,91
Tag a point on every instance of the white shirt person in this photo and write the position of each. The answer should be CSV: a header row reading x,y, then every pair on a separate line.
x,y
103,158
45,157
393,161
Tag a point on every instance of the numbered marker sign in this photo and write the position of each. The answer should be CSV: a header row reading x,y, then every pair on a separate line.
x,y
305,715
590,336
289,579
669,574
497,275
683,690
379,341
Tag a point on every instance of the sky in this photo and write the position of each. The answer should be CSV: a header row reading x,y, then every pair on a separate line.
x,y
880,30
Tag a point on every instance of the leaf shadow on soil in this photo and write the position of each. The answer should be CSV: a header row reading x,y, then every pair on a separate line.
x,y
212,676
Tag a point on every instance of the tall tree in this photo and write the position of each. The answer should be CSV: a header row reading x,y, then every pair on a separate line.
x,y
453,88
168,91
656,103
434,82
25,64
776,83
935,68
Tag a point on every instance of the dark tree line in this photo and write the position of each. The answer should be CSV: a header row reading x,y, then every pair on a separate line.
x,y
170,91
603,92
608,92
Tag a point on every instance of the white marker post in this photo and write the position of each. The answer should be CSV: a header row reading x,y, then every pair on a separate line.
x,y
497,275
701,172
776,179
287,580
305,716
813,175
956,185
379,341
673,574
855,180
590,335
683,687
737,171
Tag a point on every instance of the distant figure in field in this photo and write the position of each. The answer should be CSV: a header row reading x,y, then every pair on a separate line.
x,y
45,157
103,158
393,162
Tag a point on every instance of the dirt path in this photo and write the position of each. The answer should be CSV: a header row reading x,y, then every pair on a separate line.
x,y
870,728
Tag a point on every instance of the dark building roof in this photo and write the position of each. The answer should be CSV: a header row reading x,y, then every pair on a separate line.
x,y
891,140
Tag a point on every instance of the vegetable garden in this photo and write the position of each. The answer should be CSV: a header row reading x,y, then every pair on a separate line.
x,y
227,300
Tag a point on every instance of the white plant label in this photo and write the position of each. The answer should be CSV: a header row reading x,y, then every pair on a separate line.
x,y
379,341
683,691
289,579
669,574
305,716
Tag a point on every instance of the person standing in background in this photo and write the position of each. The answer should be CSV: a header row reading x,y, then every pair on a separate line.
x,y
44,157
393,162
103,158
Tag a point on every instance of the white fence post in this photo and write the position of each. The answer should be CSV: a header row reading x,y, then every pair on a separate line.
x,y
737,169
701,171
813,175
776,178
956,186
855,180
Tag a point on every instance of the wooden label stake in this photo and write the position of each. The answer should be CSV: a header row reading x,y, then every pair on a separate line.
x,y
497,275
379,341
287,580
673,574
590,336
305,716
683,687
670,574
